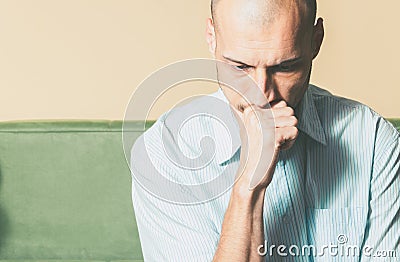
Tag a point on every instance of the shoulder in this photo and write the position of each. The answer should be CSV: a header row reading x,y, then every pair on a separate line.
x,y
322,96
193,111
343,113
175,136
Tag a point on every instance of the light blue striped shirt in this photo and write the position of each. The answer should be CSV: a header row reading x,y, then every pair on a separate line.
x,y
334,195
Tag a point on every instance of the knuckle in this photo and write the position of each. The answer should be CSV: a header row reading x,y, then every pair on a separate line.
x,y
295,132
290,111
295,120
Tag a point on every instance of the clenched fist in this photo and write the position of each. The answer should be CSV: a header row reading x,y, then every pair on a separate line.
x,y
264,132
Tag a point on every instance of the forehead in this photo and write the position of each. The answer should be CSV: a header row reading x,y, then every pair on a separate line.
x,y
260,24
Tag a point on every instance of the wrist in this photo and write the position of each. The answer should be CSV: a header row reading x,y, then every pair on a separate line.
x,y
241,193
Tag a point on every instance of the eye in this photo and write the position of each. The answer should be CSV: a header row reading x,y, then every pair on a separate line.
x,y
242,67
286,68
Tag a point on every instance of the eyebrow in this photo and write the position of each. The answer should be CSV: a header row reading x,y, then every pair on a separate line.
x,y
292,60
234,61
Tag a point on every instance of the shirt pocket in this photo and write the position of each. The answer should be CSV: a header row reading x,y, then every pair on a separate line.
x,y
336,233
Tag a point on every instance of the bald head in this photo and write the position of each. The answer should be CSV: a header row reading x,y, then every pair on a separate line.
x,y
263,12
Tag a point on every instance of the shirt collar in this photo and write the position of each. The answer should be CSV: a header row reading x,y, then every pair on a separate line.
x,y
309,121
226,147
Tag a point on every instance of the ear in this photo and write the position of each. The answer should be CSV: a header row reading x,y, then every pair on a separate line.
x,y
210,36
318,37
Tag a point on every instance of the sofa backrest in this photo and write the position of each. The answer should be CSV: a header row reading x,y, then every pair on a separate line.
x,y
395,122
65,192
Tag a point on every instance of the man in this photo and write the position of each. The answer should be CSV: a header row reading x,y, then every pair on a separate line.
x,y
319,184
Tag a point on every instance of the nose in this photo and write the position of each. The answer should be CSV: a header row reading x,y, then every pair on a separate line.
x,y
261,77
265,84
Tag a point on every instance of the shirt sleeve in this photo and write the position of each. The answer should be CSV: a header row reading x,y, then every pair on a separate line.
x,y
172,233
168,231
382,237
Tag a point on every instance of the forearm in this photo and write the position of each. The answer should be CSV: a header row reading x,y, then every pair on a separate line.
x,y
243,226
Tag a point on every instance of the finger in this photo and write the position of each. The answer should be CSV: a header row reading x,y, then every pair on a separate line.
x,y
283,112
287,145
285,136
263,117
286,121
280,104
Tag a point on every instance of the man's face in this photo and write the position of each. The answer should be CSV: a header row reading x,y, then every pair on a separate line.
x,y
278,56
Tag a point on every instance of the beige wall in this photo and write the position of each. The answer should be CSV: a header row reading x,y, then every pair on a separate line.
x,y
82,59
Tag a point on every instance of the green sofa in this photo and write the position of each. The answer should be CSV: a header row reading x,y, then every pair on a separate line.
x,y
65,192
